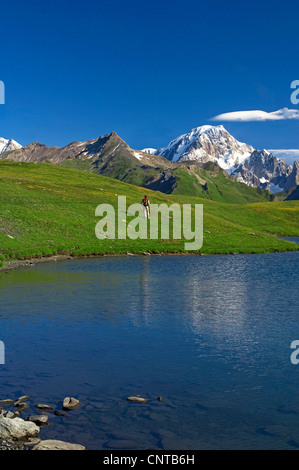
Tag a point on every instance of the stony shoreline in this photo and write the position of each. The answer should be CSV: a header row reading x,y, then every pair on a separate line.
x,y
15,264
31,262
18,433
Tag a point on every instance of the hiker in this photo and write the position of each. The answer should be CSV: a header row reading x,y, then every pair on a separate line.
x,y
146,207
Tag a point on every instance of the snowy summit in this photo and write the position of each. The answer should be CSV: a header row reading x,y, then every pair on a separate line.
x,y
7,145
206,143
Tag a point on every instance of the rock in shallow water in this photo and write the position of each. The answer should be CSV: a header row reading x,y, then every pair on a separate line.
x,y
32,442
40,420
22,398
6,402
21,406
138,399
40,406
51,444
70,403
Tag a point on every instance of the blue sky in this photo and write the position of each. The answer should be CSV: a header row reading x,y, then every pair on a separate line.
x,y
149,70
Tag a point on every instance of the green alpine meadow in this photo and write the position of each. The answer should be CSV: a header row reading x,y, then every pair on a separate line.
x,y
48,210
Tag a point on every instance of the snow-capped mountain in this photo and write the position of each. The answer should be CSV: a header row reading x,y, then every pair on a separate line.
x,y
258,168
7,145
206,143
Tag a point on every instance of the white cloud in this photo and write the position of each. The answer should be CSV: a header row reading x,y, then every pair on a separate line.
x,y
257,115
288,155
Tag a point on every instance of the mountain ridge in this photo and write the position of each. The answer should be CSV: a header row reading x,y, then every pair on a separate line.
x,y
176,167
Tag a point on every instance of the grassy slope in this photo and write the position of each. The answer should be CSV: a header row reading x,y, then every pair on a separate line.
x,y
123,166
119,168
293,194
220,187
49,209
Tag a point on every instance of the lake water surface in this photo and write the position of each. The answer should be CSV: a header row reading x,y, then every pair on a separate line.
x,y
211,335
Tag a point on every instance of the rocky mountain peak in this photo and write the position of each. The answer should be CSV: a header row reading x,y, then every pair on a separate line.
x,y
293,179
8,145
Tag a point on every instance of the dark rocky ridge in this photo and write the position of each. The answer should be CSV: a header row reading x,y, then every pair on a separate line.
x,y
263,168
293,194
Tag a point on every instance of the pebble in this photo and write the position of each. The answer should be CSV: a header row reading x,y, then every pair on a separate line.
x,y
138,399
22,398
6,402
40,406
21,406
6,444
